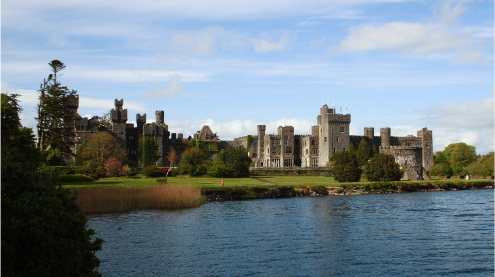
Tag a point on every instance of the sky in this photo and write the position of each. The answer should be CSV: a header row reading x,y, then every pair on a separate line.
x,y
235,64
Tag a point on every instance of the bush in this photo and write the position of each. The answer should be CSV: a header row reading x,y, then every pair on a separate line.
x,y
74,178
346,167
161,180
113,167
126,170
149,171
382,167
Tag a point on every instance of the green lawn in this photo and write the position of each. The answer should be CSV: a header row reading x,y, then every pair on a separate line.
x,y
206,182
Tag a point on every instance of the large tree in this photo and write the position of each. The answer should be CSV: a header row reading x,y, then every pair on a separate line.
x,y
346,167
231,162
98,150
148,150
55,117
43,231
382,167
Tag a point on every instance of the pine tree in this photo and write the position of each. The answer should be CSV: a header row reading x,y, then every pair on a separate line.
x,y
364,152
346,167
55,118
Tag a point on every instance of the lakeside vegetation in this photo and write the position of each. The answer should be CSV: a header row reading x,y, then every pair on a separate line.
x,y
122,199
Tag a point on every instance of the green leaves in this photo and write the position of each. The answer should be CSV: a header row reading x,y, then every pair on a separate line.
x,y
346,167
382,167
148,150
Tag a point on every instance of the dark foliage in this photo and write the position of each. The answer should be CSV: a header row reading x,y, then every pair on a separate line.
x,y
346,167
382,167
43,231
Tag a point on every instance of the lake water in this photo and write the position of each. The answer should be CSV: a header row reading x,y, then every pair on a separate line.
x,y
414,234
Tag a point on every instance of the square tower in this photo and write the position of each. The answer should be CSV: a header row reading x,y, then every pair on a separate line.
x,y
333,133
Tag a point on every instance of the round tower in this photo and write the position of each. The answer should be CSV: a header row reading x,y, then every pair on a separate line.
x,y
385,136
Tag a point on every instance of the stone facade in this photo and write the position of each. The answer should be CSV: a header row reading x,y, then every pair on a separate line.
x,y
127,134
285,149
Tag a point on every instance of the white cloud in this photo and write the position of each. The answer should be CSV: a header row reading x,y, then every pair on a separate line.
x,y
26,97
197,43
470,58
422,39
450,10
473,115
472,123
265,44
237,128
174,86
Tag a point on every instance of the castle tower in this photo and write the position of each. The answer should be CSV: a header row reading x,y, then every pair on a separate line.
x,y
369,132
334,133
427,147
160,117
140,121
118,117
286,135
261,143
385,136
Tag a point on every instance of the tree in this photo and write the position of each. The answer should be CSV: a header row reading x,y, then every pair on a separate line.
x,y
462,155
172,157
43,230
382,167
193,162
364,152
55,117
483,166
148,150
99,149
249,140
231,162
346,167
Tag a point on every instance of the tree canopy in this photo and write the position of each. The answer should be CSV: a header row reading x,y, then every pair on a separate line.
x,y
364,152
231,162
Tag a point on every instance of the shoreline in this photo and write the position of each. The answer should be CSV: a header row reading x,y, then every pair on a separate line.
x,y
246,193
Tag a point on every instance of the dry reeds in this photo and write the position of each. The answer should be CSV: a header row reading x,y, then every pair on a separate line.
x,y
121,199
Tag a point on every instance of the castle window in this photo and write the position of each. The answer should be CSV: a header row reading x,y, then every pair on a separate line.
x,y
315,151
337,139
313,142
268,150
307,151
334,150
255,155
325,139
314,162
274,150
342,129
288,163
288,150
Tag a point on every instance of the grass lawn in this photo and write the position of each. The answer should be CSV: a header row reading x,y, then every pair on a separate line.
x,y
207,182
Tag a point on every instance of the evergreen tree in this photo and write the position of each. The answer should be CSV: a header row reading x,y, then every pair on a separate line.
x,y
346,167
364,152
43,231
55,118
382,167
231,162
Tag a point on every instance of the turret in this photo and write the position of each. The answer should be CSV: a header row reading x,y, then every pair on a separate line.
x,y
385,136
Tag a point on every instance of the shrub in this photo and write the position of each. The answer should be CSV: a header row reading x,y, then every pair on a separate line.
x,y
149,170
382,167
321,190
126,170
113,167
74,178
284,171
161,180
346,167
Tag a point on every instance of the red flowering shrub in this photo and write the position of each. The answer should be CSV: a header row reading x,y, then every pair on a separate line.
x,y
113,167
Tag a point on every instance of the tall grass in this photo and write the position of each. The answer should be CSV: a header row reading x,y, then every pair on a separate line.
x,y
115,199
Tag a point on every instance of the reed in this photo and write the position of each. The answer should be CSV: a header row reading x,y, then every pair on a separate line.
x,y
122,199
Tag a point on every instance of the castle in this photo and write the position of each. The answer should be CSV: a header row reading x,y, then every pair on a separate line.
x,y
285,149
127,134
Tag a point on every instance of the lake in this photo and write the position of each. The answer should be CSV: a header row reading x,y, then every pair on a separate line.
x,y
445,233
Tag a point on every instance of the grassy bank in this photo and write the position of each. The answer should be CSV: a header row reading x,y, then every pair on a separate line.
x,y
121,199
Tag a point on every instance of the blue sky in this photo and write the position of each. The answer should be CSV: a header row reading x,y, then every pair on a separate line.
x,y
235,64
